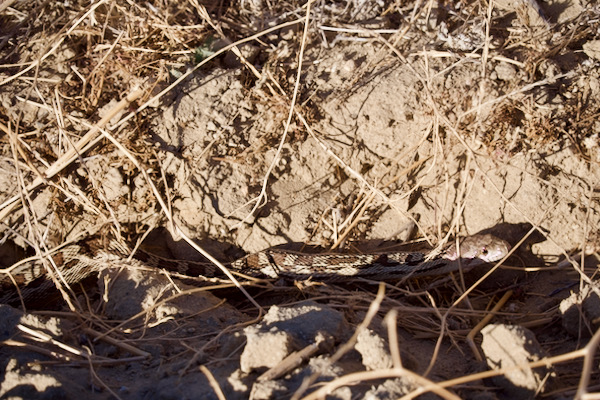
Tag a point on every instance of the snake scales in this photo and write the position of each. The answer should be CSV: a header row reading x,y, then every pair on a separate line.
x,y
77,262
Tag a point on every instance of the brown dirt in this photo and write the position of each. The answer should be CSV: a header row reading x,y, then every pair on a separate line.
x,y
415,123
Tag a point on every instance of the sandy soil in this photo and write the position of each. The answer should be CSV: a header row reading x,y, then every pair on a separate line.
x,y
412,125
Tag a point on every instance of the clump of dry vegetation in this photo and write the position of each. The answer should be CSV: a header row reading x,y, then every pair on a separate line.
x,y
203,131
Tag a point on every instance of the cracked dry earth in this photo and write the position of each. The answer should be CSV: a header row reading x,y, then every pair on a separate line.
x,y
398,153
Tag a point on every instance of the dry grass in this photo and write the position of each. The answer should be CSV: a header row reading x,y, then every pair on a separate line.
x,y
65,66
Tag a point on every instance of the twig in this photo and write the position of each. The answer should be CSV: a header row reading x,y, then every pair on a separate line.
x,y
483,322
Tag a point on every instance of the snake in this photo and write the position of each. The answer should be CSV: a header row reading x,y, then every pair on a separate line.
x,y
76,262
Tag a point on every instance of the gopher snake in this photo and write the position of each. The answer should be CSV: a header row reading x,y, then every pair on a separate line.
x,y
75,263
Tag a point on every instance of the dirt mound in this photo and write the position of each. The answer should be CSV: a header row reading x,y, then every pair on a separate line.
x,y
206,132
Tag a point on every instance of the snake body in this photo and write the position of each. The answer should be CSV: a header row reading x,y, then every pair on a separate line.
x,y
73,263
474,250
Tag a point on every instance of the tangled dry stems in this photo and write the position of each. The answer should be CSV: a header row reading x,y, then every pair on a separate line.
x,y
92,91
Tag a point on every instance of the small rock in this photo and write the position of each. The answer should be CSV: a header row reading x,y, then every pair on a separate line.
x,y
505,346
374,350
287,329
265,349
580,311
130,291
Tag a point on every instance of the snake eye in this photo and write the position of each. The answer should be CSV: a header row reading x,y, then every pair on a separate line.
x,y
484,251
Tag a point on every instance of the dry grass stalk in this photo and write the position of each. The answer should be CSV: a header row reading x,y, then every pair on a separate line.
x,y
173,41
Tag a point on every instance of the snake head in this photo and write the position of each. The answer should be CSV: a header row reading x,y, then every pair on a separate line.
x,y
487,248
